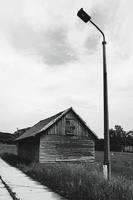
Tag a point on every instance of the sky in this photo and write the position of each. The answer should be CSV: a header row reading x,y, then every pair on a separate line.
x,y
50,60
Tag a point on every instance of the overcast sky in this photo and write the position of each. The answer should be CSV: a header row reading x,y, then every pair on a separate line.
x,y
50,60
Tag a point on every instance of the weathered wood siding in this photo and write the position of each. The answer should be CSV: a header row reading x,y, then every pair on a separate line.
x,y
67,140
65,148
29,149
60,127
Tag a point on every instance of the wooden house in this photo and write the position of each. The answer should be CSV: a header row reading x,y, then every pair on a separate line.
x,y
62,137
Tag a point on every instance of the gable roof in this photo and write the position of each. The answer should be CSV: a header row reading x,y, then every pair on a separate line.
x,y
43,125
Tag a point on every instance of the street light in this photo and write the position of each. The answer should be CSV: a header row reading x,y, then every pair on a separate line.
x,y
106,164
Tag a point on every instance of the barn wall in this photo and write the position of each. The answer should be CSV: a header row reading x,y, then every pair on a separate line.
x,y
29,149
65,148
64,143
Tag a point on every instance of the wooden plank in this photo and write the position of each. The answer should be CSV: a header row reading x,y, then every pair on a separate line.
x,y
53,147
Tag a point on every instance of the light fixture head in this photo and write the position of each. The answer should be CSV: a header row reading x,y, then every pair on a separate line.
x,y
83,15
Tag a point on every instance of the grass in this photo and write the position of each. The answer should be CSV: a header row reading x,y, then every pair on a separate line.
x,y
82,181
121,164
8,148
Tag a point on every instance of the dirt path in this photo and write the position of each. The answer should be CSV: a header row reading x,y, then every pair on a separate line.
x,y
24,187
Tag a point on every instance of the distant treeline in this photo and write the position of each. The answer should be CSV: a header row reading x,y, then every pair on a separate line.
x,y
119,139
6,138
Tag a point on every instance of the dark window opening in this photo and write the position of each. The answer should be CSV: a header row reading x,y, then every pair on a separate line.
x,y
70,127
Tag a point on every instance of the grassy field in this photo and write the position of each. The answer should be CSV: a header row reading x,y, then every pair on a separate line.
x,y
83,181
121,164
80,181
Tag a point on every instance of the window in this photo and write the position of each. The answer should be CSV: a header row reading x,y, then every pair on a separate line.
x,y
70,126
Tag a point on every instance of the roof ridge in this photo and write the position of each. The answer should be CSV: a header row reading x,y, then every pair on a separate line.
x,y
51,116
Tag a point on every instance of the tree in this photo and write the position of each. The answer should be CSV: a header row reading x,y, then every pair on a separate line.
x,y
117,138
120,132
129,138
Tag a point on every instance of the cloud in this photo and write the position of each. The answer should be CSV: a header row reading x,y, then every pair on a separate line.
x,y
51,45
55,35
58,50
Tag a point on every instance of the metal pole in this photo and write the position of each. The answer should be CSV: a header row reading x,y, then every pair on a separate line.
x,y
106,164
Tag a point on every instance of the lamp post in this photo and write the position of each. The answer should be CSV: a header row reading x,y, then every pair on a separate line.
x,y
106,164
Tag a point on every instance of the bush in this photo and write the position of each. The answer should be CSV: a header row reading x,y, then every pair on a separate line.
x,y
75,181
14,160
